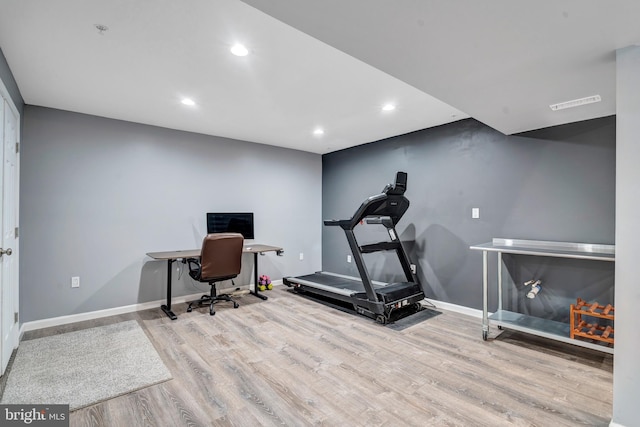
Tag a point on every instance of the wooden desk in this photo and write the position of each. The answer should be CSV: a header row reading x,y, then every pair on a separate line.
x,y
172,256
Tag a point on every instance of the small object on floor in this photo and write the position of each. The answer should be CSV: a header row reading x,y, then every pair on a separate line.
x,y
264,283
239,293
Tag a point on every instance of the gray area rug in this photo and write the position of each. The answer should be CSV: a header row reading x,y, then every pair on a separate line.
x,y
84,367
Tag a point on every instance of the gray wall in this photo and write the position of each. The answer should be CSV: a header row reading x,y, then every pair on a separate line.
x,y
98,194
552,184
9,82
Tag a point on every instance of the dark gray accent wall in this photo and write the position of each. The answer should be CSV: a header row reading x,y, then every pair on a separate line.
x,y
552,184
98,194
10,83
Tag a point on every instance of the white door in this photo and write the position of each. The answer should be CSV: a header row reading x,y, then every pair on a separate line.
x,y
9,228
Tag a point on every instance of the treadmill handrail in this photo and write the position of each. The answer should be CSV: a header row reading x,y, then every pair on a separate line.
x,y
380,247
339,222
371,208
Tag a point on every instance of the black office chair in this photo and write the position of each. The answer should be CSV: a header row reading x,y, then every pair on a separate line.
x,y
220,259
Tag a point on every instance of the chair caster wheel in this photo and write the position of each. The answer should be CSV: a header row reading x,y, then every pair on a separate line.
x,y
189,310
211,311
236,305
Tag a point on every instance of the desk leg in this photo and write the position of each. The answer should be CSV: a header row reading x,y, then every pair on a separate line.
x,y
256,291
167,308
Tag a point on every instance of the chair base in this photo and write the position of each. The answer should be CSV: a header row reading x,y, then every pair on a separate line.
x,y
210,301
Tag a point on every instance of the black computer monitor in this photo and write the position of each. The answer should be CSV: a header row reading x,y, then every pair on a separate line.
x,y
224,222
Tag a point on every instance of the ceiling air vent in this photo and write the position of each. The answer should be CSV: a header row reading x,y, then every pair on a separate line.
x,y
576,103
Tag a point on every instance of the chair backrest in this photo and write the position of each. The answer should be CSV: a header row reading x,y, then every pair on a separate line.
x,y
221,256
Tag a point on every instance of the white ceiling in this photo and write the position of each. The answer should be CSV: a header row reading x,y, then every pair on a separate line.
x,y
501,61
330,63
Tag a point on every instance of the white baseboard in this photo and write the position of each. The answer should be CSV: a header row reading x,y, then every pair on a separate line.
x,y
72,318
456,308
612,424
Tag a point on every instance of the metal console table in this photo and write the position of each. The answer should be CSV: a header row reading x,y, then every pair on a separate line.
x,y
534,325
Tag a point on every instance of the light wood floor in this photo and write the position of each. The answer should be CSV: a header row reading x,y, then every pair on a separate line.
x,y
291,361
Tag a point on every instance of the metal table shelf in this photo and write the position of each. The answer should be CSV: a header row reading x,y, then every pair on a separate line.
x,y
529,324
551,329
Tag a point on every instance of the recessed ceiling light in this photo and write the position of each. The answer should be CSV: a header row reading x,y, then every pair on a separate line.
x,y
188,101
576,102
239,50
388,107
318,132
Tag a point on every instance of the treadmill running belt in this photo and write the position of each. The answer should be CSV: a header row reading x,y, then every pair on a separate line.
x,y
335,281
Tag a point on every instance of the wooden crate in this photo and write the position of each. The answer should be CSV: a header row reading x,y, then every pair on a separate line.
x,y
584,324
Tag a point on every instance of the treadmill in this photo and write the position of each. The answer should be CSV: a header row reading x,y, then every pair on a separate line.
x,y
380,301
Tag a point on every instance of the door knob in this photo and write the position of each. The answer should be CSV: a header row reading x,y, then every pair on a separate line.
x,y
8,251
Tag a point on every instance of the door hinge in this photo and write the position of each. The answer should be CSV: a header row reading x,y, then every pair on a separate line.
x,y
15,317
17,147
17,228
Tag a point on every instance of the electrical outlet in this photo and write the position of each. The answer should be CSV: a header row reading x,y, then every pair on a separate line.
x,y
301,256
348,258
475,213
413,268
75,282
